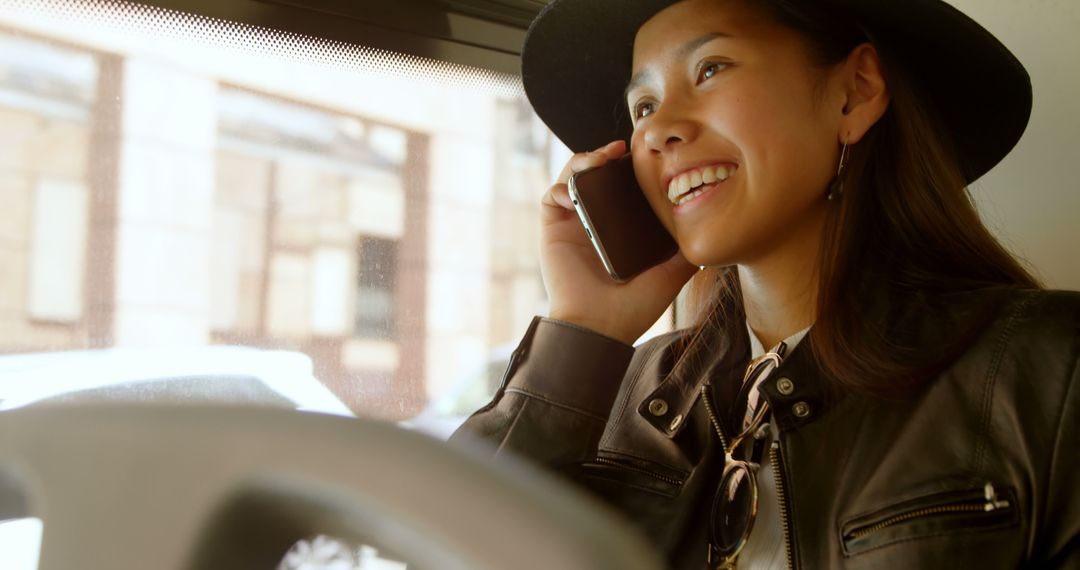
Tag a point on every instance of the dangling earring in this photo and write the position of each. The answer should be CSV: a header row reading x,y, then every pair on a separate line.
x,y
836,189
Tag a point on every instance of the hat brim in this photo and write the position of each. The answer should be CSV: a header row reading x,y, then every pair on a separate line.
x,y
576,63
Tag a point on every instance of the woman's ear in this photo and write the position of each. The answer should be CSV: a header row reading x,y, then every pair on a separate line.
x,y
867,96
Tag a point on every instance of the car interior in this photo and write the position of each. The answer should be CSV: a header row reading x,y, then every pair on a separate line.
x,y
260,257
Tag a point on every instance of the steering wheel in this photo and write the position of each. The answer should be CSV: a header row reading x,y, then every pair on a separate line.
x,y
183,487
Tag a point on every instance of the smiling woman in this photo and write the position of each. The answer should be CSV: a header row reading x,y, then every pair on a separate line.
x,y
858,383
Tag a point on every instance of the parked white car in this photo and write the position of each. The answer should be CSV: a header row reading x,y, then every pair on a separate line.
x,y
206,374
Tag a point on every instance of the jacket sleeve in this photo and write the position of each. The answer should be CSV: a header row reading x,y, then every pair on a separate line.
x,y
555,397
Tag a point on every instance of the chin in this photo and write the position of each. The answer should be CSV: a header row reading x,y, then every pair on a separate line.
x,y
705,254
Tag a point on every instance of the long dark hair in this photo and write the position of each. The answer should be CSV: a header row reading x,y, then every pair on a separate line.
x,y
904,226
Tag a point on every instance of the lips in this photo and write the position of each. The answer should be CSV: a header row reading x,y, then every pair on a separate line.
x,y
693,183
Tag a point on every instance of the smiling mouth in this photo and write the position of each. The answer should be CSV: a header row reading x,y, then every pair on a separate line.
x,y
694,183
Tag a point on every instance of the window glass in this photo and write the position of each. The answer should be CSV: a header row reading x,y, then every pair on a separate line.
x,y
47,94
234,195
197,210
20,543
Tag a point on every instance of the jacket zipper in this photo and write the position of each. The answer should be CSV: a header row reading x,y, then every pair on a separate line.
x,y
653,474
712,415
989,503
781,495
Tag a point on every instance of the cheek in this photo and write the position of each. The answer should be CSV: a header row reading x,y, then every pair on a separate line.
x,y
785,143
637,148
761,121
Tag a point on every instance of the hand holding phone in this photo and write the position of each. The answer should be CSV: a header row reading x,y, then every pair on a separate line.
x,y
620,223
580,290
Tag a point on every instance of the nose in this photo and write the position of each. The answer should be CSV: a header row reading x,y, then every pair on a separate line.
x,y
669,127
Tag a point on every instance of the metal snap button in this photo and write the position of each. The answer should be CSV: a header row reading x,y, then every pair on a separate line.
x,y
801,409
675,422
785,386
658,407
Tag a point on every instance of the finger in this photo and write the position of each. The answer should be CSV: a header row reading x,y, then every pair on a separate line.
x,y
556,205
558,196
585,160
614,149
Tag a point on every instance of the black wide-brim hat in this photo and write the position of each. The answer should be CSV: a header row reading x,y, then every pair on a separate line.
x,y
576,63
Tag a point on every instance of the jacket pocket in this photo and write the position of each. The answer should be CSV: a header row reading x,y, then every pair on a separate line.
x,y
635,472
972,510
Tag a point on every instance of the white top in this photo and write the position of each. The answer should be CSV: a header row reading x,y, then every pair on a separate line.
x,y
764,548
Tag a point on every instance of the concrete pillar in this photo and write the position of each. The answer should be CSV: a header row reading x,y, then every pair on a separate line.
x,y
165,205
459,253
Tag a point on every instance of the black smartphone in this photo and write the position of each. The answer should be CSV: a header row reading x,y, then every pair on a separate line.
x,y
621,225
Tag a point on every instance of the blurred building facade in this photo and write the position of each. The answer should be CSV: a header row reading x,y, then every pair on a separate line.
x,y
172,181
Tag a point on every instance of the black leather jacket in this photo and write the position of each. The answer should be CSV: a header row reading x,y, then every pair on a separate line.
x,y
864,482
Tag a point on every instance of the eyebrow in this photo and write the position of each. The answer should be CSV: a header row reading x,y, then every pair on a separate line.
x,y
684,51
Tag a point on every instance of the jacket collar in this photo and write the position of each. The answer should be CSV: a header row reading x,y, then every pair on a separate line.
x,y
713,358
798,392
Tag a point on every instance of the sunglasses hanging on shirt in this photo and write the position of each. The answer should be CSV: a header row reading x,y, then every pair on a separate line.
x,y
735,504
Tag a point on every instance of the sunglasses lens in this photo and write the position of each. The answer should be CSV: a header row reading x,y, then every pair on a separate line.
x,y
734,508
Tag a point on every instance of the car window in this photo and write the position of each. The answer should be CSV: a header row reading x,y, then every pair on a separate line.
x,y
174,181
196,210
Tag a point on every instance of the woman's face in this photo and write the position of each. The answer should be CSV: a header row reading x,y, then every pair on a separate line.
x,y
735,132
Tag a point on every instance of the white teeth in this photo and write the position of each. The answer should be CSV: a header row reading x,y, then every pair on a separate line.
x,y
679,187
689,196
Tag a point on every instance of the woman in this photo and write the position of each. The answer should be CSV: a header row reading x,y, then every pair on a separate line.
x,y
917,405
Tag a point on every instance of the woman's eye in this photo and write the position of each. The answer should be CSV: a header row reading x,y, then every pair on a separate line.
x,y
642,110
709,69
